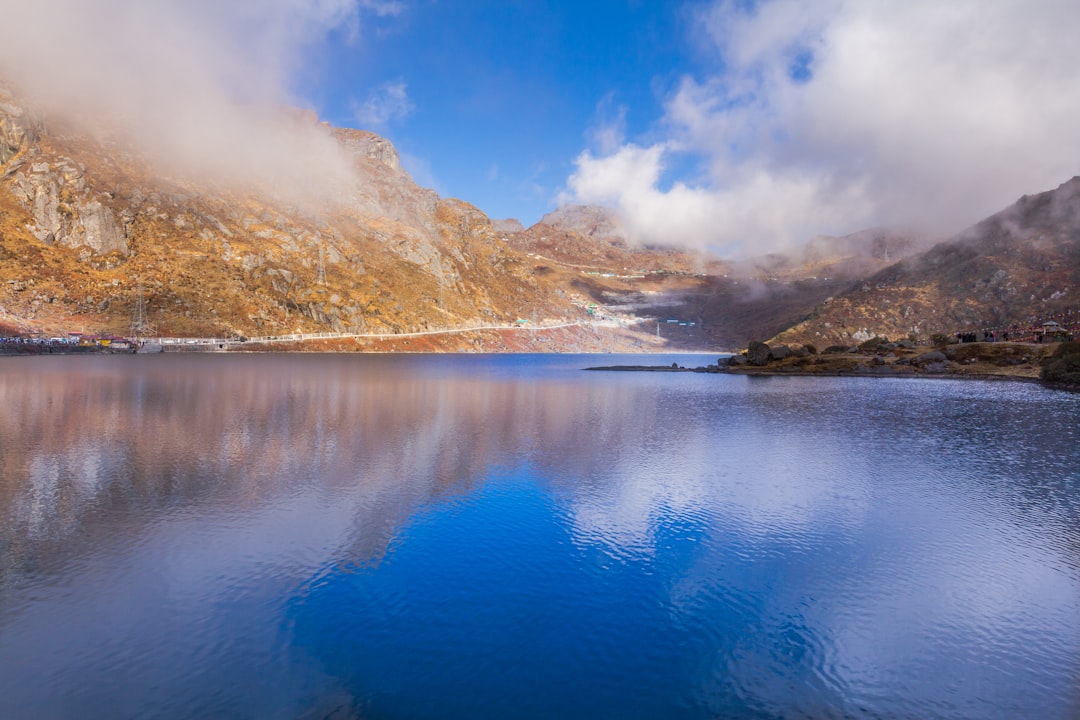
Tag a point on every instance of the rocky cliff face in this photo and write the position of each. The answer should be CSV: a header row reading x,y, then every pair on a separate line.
x,y
17,128
63,208
363,144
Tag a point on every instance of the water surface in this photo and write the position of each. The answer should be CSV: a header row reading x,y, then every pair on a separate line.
x,y
508,536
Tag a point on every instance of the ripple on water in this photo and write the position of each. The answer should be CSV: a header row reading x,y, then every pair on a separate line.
x,y
404,538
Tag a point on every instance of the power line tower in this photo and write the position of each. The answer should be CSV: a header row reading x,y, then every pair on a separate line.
x,y
140,324
320,273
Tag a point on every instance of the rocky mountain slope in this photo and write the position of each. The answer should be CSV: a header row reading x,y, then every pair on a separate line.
x,y
89,230
1017,267
590,221
96,237
695,300
93,237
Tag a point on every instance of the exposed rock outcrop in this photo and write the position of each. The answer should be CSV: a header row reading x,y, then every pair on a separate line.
x,y
361,143
18,128
64,210
779,352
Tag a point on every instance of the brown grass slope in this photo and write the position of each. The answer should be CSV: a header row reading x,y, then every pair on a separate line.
x,y
1016,267
88,227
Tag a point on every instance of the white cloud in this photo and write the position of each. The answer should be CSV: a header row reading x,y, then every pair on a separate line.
x,y
832,116
198,85
383,8
609,132
386,103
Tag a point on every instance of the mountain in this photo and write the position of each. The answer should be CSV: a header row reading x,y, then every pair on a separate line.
x,y
330,234
1015,268
594,222
91,230
857,255
94,236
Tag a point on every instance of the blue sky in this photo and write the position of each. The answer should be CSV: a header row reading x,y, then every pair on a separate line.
x,y
744,126
495,99
740,125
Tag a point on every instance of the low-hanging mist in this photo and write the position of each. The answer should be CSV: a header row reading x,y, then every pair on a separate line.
x,y
201,88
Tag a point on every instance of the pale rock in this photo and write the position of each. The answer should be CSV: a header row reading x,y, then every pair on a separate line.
x,y
17,130
360,143
99,230
87,222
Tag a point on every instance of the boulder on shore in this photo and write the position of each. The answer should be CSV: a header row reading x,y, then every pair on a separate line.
x,y
934,356
780,352
758,353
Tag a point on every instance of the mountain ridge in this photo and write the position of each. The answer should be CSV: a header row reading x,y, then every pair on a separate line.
x,y
91,231
1017,267
82,225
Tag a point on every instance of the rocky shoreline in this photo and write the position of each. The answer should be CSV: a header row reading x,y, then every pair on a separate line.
x,y
882,358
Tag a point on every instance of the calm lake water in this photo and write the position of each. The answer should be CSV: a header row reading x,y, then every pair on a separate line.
x,y
510,537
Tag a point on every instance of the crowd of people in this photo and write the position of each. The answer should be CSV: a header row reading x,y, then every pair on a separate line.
x,y
1053,328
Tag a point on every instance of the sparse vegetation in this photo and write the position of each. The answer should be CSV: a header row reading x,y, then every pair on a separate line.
x,y
1064,365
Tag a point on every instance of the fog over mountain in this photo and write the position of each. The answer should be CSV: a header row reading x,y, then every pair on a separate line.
x,y
201,88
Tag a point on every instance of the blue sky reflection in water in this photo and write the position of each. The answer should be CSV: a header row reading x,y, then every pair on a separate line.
x,y
511,537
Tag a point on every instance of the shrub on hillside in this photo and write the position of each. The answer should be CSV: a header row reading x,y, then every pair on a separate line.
x,y
1064,365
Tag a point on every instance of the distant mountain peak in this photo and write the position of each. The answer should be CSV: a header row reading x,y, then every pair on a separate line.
x,y
362,143
508,225
599,223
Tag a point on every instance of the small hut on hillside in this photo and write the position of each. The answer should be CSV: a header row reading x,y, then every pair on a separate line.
x,y
1051,331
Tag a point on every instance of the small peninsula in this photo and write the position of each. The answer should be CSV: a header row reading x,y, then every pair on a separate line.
x,y
1057,363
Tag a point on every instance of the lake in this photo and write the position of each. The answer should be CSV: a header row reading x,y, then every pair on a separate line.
x,y
411,536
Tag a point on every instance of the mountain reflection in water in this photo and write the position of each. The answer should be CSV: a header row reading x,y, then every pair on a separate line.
x,y
417,536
